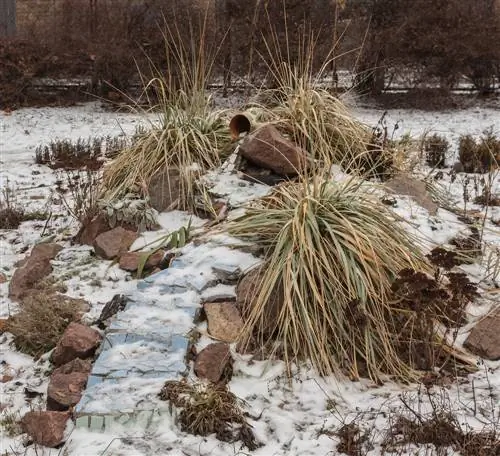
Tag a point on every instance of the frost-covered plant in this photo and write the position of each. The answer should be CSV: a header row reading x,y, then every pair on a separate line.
x,y
130,210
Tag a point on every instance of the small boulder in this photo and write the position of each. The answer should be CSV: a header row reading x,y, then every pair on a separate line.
x,y
164,190
484,339
36,267
267,148
65,390
224,321
246,293
3,278
112,243
214,363
417,190
46,428
78,341
129,261
91,229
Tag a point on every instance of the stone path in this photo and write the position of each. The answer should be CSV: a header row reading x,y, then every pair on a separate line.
x,y
146,343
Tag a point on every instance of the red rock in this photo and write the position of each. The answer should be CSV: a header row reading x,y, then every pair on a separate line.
x,y
78,341
129,261
6,378
267,148
3,277
112,243
90,230
77,365
224,321
214,363
4,322
46,428
36,267
484,339
65,390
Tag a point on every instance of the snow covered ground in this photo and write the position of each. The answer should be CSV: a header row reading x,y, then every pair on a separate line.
x,y
293,419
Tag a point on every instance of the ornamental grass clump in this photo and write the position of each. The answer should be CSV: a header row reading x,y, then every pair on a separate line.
x,y
303,108
183,141
185,135
332,250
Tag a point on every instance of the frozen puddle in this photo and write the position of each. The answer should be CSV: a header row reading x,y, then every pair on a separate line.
x,y
146,344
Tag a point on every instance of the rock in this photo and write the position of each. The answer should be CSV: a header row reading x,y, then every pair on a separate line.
x,y
266,147
408,186
246,293
129,261
78,341
111,308
90,230
224,321
6,378
4,323
458,167
112,243
76,365
3,278
36,267
46,251
65,389
484,339
164,190
214,363
46,428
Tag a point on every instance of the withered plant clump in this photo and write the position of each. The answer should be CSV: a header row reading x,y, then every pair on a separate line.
x,y
435,149
469,247
210,409
83,153
425,308
479,156
439,427
42,319
334,250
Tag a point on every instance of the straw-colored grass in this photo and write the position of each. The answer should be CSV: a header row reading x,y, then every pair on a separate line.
x,y
183,140
313,116
334,249
185,134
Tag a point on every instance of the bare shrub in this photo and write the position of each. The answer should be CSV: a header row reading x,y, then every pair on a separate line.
x,y
479,156
438,426
424,303
41,321
79,191
435,149
83,153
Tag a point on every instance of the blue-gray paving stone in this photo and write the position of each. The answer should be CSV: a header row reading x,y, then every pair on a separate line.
x,y
147,342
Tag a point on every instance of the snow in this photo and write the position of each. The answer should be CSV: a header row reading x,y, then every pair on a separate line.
x,y
290,417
